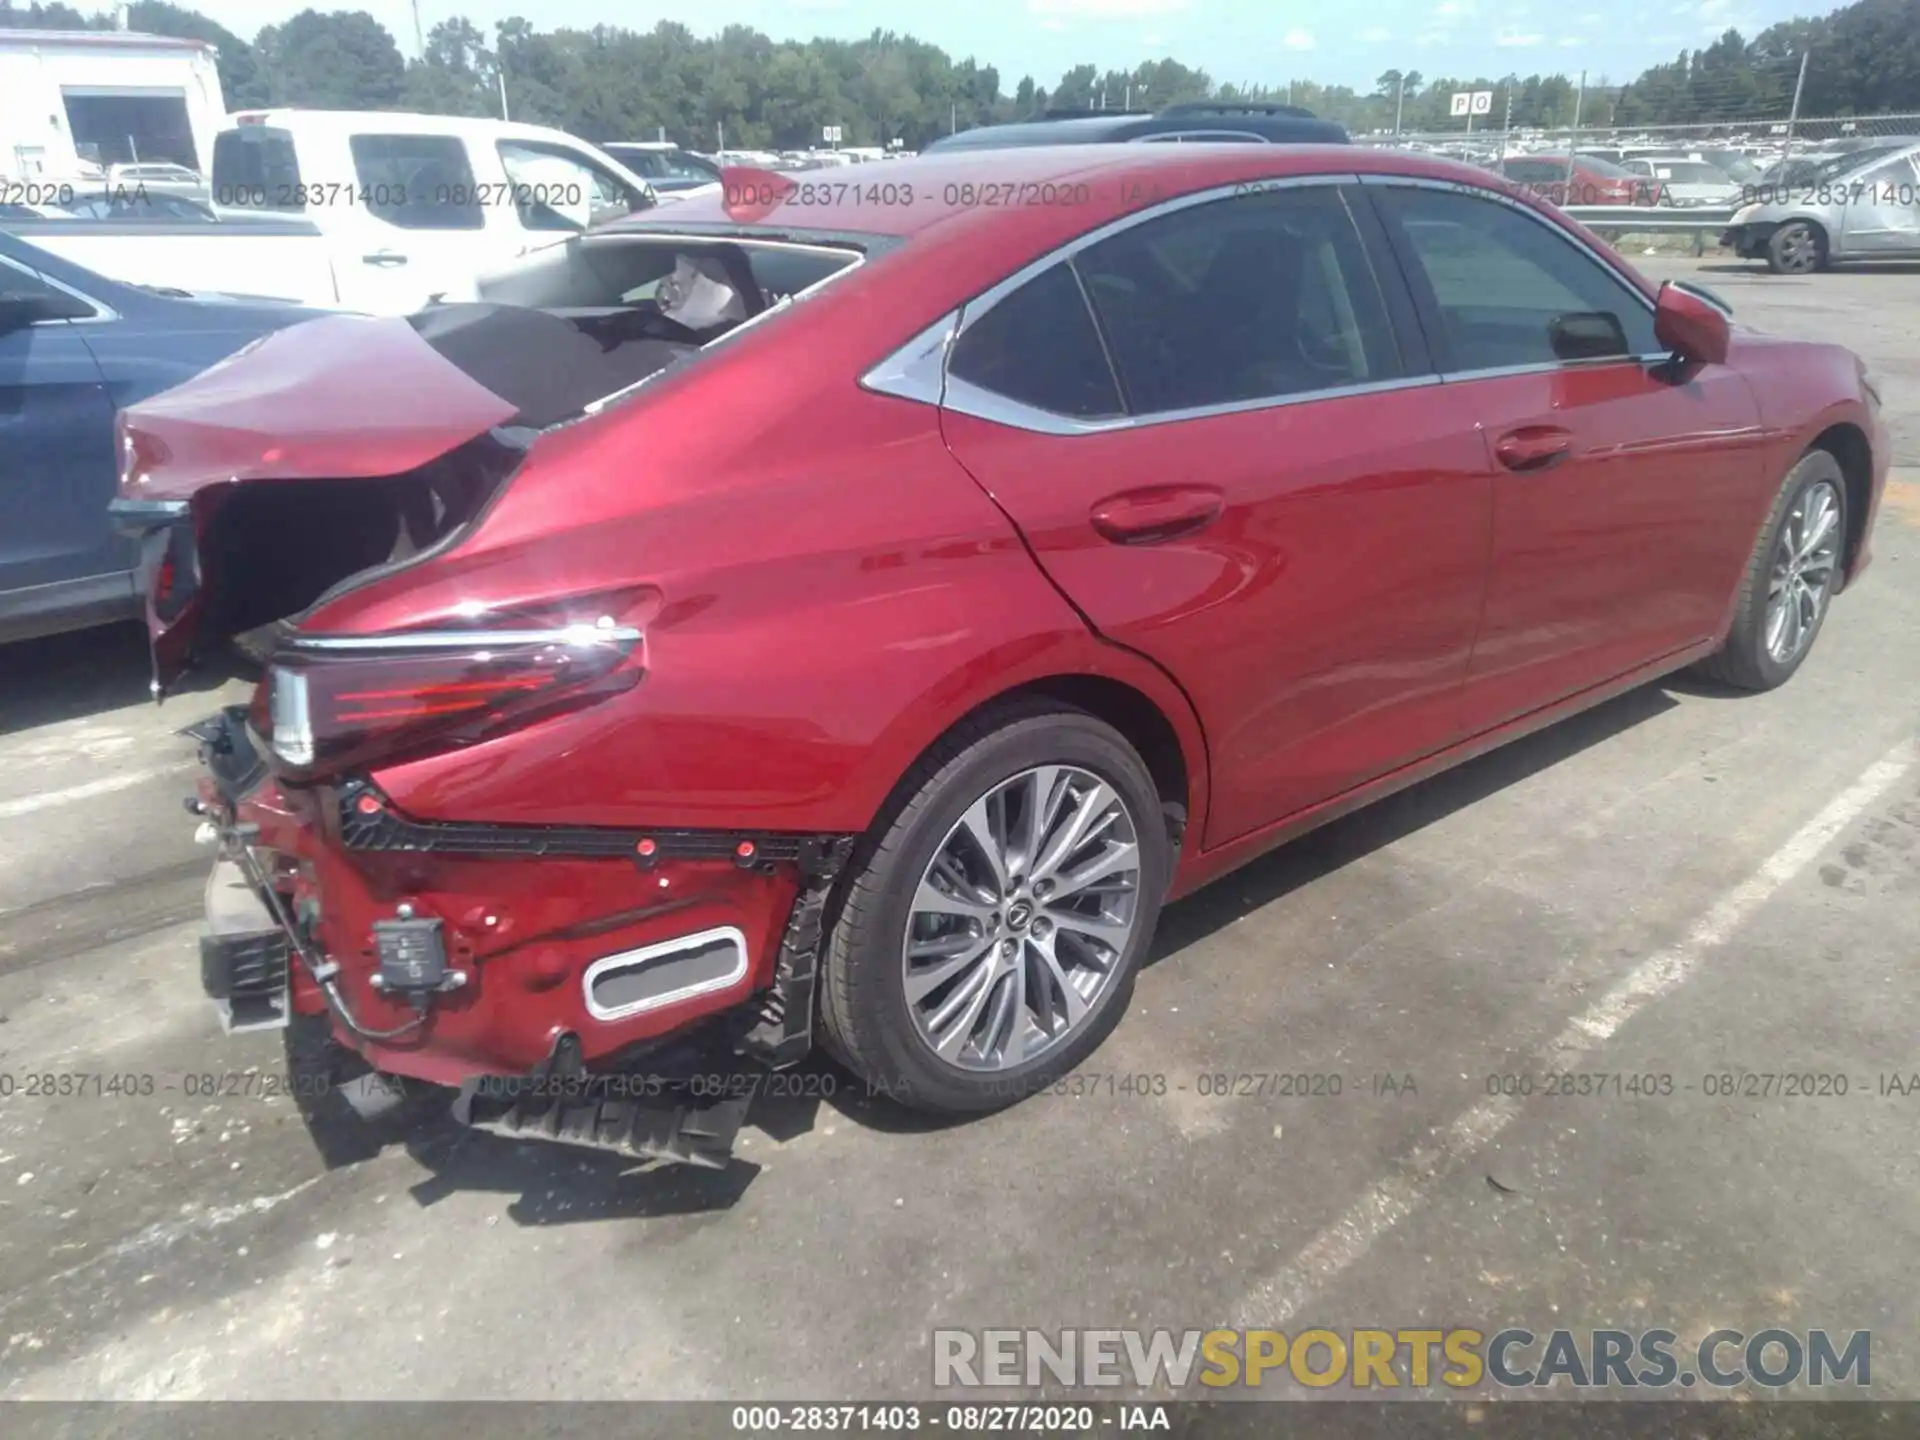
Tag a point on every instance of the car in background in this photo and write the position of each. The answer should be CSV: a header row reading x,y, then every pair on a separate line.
x,y
1693,184
1579,180
1859,206
157,177
74,347
786,617
1200,121
669,169
1736,165
132,204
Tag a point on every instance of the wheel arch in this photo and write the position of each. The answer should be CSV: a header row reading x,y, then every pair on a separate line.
x,y
1850,448
1161,727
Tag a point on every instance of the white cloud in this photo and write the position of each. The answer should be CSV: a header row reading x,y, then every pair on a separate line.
x,y
1511,40
1155,39
1457,7
1567,42
1056,26
1299,40
1432,38
1106,9
1375,34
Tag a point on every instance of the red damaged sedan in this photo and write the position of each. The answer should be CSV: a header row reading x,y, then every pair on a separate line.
x,y
847,613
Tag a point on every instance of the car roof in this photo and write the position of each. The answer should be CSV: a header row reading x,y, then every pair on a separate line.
x,y
1274,124
907,197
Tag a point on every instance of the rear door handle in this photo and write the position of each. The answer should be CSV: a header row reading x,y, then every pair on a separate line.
x,y
1533,447
1156,513
384,257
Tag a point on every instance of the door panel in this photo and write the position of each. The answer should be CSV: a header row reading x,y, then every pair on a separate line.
x,y
1881,215
1615,479
1621,551
1321,623
1243,471
57,464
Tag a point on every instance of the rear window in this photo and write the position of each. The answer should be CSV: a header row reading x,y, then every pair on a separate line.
x,y
254,168
1039,347
418,182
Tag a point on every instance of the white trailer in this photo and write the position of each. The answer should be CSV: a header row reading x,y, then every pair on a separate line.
x,y
74,103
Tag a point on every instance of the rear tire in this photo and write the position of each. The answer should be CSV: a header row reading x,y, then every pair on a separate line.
x,y
1798,247
990,939
1777,622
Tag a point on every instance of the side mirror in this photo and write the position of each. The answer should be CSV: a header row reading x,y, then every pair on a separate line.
x,y
1692,324
1587,335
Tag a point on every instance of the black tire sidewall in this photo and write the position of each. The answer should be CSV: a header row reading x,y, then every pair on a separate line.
x,y
1751,630
1814,237
1071,738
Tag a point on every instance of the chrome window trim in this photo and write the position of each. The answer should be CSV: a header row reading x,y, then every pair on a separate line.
x,y
908,372
918,369
101,311
967,399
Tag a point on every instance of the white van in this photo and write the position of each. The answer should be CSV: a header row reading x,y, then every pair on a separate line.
x,y
415,207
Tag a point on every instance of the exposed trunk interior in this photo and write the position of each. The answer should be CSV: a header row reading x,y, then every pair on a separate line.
x,y
271,551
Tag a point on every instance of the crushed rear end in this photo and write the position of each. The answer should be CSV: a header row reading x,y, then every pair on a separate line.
x,y
613,987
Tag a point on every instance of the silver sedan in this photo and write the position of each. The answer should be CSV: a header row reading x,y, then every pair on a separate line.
x,y
1861,206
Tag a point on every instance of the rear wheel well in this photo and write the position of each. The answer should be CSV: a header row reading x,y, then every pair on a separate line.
x,y
1141,724
1848,445
1137,718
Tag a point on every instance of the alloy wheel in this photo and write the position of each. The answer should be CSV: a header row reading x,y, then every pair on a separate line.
x,y
1798,250
1804,562
1020,922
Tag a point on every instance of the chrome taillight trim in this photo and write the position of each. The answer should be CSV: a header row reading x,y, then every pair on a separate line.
x,y
401,643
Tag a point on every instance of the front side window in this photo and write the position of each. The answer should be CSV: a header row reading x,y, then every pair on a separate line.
x,y
1254,297
1038,347
1503,282
418,182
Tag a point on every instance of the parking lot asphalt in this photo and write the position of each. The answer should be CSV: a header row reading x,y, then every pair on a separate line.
x,y
1683,882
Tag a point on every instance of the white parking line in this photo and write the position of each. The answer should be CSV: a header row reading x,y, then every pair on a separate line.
x,y
1279,1297
53,799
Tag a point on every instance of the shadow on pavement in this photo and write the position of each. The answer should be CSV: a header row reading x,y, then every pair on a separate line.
x,y
69,677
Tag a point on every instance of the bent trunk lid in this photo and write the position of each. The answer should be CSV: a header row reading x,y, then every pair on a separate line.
x,y
341,398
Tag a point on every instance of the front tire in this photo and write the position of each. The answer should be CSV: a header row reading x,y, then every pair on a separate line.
x,y
1789,580
989,937
1798,247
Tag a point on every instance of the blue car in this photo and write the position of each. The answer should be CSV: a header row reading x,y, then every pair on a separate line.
x,y
74,348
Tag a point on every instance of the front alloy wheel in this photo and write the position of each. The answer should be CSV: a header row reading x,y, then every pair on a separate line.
x,y
1020,919
1796,565
1804,563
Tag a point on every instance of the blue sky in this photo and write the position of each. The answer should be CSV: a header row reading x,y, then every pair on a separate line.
x,y
1251,41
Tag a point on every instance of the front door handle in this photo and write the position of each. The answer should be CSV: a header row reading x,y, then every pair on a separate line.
x,y
1156,513
384,257
1533,447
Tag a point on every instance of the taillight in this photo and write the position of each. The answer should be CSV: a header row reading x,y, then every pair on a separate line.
x,y
338,702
